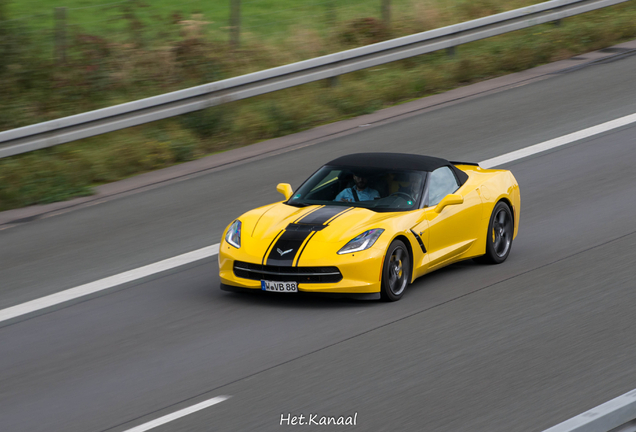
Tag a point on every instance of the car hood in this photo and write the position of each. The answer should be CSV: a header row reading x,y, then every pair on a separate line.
x,y
341,223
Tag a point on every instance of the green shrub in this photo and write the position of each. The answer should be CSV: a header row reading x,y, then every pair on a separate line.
x,y
47,180
207,122
281,120
182,151
362,31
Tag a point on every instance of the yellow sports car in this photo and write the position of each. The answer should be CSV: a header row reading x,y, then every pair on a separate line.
x,y
367,225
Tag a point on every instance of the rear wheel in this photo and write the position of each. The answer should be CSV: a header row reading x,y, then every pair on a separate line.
x,y
396,272
499,238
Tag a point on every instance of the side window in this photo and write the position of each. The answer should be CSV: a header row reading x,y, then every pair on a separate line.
x,y
442,182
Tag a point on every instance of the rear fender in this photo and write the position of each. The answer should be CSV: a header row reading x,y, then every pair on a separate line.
x,y
502,186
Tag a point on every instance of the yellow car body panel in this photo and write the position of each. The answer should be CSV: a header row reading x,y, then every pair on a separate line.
x,y
456,233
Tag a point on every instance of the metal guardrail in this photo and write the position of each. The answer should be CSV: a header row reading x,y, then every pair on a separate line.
x,y
616,415
51,133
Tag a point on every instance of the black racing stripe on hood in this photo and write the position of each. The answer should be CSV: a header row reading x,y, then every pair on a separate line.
x,y
322,215
307,213
270,246
286,248
288,245
338,215
303,249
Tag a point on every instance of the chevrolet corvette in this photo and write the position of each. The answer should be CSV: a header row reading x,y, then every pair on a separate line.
x,y
367,225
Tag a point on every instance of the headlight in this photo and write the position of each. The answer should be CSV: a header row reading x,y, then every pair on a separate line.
x,y
362,242
233,235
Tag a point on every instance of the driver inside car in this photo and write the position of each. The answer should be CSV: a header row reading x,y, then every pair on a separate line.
x,y
358,192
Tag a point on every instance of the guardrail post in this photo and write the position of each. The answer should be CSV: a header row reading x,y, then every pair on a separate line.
x,y
60,34
386,13
331,12
235,23
450,51
3,16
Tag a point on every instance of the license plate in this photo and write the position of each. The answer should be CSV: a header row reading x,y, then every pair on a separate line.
x,y
279,286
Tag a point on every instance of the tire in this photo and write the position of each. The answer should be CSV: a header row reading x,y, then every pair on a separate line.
x,y
396,272
499,236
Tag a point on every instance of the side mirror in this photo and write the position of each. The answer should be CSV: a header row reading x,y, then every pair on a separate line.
x,y
450,199
285,189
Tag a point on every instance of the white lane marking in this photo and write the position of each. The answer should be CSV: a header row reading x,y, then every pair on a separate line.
x,y
176,415
557,142
109,282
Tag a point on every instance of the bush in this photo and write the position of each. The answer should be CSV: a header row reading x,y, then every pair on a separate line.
x,y
183,151
363,31
280,120
208,122
48,179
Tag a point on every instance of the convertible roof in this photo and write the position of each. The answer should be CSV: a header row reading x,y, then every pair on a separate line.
x,y
397,161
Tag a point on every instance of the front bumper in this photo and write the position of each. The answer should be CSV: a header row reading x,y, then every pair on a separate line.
x,y
358,296
360,272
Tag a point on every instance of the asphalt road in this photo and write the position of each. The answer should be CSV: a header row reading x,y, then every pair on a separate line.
x,y
515,347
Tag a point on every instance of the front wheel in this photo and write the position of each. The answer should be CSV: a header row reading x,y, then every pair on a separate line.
x,y
396,271
499,237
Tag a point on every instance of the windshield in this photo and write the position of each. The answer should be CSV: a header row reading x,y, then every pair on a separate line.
x,y
373,188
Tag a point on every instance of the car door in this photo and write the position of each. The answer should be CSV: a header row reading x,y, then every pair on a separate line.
x,y
455,228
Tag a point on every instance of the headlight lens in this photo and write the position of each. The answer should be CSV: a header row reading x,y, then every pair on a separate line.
x,y
233,235
362,242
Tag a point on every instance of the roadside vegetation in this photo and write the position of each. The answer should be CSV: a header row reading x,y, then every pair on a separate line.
x,y
153,53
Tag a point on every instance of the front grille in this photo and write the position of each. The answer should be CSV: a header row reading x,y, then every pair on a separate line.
x,y
287,274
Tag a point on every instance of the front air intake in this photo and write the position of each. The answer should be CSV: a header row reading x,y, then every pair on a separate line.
x,y
287,274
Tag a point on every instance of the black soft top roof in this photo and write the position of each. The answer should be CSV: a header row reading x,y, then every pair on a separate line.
x,y
400,161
